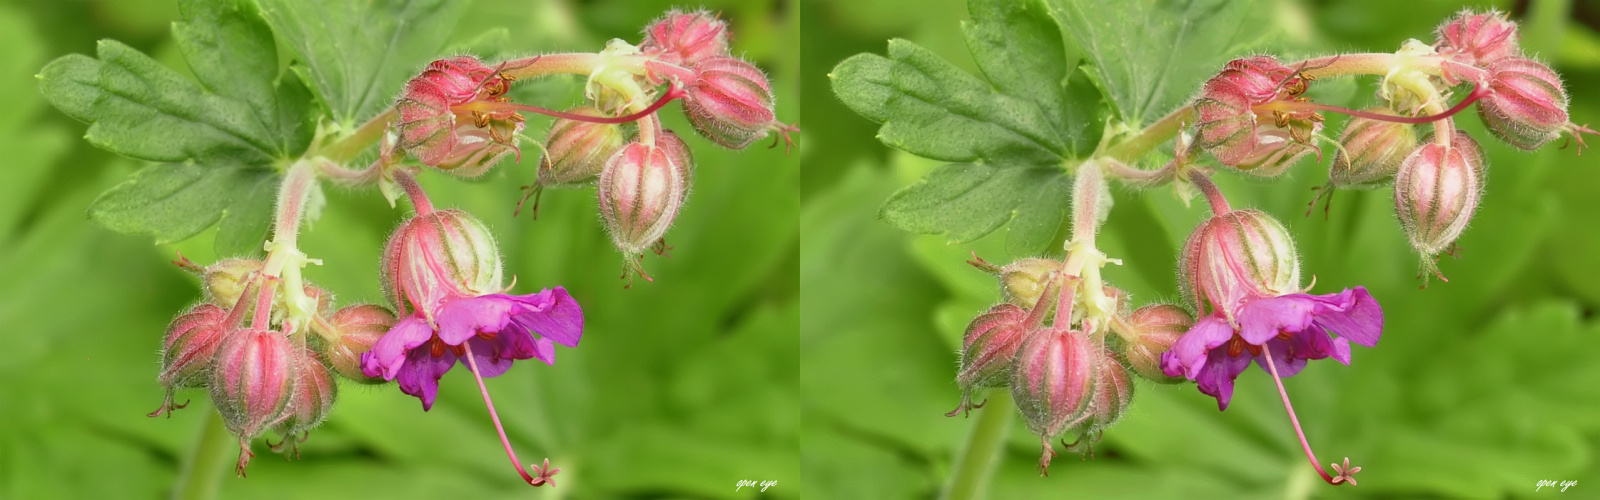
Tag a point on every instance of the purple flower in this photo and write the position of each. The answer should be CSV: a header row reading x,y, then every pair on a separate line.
x,y
1293,328
496,329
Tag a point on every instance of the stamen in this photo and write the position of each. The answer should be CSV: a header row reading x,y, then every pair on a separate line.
x,y
545,472
1343,476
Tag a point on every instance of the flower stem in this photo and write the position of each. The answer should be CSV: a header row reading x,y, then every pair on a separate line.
x,y
1306,445
979,458
1219,203
202,468
358,141
1154,135
472,362
419,199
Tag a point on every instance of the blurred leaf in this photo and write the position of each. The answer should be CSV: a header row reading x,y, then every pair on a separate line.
x,y
356,54
231,50
1149,56
174,201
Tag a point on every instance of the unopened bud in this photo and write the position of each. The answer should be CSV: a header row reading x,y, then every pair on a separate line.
x,y
427,124
577,150
640,193
311,397
251,382
686,38
730,102
226,280
1054,380
353,330
1478,39
190,350
1437,190
437,256
1113,391
1371,150
679,153
1227,122
1527,106
1022,282
1148,333
1237,255
989,347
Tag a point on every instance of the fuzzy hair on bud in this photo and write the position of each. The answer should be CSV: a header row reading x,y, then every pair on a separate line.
x,y
686,38
1527,106
1149,332
1480,39
1437,190
1238,255
437,256
640,192
1054,380
1371,151
354,329
577,150
730,102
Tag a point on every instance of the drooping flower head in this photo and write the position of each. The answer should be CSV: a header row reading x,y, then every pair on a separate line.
x,y
439,125
1243,121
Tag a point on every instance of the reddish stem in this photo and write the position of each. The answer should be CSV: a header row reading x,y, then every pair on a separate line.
x,y
1272,367
419,199
1219,203
673,92
1478,92
473,363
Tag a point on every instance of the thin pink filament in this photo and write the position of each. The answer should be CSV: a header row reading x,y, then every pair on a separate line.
x,y
1267,355
473,363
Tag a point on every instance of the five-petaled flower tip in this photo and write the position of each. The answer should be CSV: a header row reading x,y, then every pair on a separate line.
x,y
1239,268
430,104
1478,39
443,274
1247,117
1436,192
685,38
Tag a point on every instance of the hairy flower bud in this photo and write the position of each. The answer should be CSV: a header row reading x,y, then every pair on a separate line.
x,y
1147,333
1371,150
640,192
577,150
1022,282
730,102
1262,142
252,380
1437,190
311,396
1527,105
352,330
428,107
681,156
1237,255
1478,39
686,38
989,347
1054,380
1113,391
437,256
225,280
191,346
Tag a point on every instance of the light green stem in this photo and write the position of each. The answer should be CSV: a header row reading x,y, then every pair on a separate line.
x,y
203,466
978,460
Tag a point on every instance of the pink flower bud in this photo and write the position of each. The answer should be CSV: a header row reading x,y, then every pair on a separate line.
x,y
989,348
1022,282
251,384
1235,256
1236,124
640,193
1113,391
1371,150
1436,191
686,38
438,256
190,350
354,329
730,102
1054,380
1478,39
428,109
578,150
1527,105
311,397
225,280
680,155
1148,333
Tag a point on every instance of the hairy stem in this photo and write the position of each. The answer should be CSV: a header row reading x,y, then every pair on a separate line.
x,y
1157,133
978,459
363,137
284,258
203,466
419,198
1219,203
1377,63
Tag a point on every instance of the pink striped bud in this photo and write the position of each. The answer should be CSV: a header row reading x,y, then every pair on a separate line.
x,y
685,38
730,102
190,350
427,125
1054,380
640,192
1527,106
1113,391
1478,39
680,155
1236,124
353,330
989,348
251,384
1371,150
439,256
577,150
1437,190
1235,256
311,396
1148,333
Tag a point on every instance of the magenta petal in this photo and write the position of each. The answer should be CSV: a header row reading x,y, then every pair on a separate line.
x,y
551,313
1352,314
1289,356
389,352
1216,375
1262,319
461,319
419,376
494,357
1192,348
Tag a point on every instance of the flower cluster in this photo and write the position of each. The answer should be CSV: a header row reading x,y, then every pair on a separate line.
x,y
270,346
1065,343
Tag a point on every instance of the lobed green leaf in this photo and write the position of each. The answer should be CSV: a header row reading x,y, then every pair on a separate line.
x,y
173,201
968,200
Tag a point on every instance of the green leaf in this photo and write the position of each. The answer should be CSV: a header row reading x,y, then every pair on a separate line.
x,y
1151,56
231,51
1020,50
175,201
356,54
144,110
245,223
967,201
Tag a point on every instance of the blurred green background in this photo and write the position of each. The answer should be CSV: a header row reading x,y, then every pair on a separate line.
x,y
680,388
1479,388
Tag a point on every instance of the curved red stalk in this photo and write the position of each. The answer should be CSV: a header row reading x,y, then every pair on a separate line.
x,y
1272,367
673,92
544,475
1478,92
